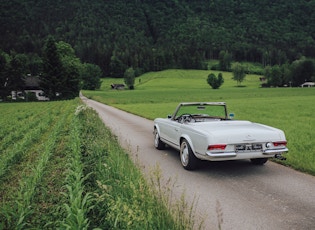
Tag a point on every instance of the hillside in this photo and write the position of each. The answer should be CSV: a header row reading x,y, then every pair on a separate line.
x,y
154,35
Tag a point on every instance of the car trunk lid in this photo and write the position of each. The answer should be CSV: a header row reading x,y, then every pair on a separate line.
x,y
239,131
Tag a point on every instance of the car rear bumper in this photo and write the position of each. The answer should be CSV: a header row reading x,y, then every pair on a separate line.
x,y
222,156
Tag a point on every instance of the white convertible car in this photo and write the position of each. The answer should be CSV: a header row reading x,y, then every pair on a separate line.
x,y
205,131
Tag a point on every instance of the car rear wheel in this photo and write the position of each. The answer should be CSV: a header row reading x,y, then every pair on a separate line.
x,y
259,161
187,157
157,141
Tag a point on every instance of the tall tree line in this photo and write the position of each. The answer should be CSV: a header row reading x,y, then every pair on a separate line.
x,y
153,35
59,72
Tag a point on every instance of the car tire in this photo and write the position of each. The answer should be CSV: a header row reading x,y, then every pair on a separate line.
x,y
187,157
157,141
259,161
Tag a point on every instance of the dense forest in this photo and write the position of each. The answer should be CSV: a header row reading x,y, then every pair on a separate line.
x,y
153,35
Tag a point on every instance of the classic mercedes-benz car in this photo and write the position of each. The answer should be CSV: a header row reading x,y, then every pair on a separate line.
x,y
205,131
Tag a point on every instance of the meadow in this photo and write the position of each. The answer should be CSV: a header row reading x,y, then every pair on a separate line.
x,y
156,94
61,168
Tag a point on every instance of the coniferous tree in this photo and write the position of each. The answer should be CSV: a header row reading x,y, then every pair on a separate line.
x,y
71,67
91,75
225,60
16,73
4,91
117,67
52,78
185,34
302,70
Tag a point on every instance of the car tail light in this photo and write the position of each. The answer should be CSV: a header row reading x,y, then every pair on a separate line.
x,y
279,143
216,147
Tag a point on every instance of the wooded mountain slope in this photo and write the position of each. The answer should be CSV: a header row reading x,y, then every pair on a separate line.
x,y
153,35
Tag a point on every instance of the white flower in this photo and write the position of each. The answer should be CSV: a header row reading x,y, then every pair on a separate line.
x,y
79,109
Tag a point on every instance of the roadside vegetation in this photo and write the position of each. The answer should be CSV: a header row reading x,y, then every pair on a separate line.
x,y
61,168
156,94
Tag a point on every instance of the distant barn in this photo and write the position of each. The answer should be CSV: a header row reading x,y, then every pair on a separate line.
x,y
117,86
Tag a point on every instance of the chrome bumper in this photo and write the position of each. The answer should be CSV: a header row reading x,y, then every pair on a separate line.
x,y
240,155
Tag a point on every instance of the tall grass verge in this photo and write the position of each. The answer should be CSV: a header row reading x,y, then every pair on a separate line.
x,y
183,213
123,199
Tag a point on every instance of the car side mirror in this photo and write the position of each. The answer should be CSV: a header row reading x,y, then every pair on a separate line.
x,y
231,116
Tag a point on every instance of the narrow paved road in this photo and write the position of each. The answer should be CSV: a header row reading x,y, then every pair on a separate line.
x,y
250,197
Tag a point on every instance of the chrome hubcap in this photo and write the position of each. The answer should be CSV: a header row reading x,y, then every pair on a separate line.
x,y
184,154
156,140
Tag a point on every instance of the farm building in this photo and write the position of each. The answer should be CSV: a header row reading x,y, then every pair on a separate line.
x,y
117,86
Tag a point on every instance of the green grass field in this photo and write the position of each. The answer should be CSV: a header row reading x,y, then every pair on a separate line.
x,y
156,94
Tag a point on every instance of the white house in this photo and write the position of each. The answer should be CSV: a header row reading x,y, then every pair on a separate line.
x,y
40,95
31,87
308,84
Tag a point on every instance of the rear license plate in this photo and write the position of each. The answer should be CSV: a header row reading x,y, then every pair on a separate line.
x,y
248,147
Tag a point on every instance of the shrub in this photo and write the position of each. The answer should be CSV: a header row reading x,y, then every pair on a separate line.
x,y
129,78
215,82
239,72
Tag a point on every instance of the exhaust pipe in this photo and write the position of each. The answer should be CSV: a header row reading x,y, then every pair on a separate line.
x,y
280,157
